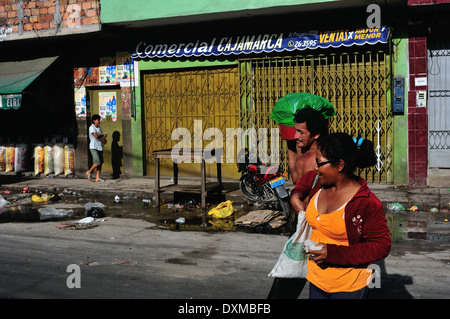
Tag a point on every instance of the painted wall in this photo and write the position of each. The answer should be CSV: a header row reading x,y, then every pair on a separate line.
x,y
400,68
133,10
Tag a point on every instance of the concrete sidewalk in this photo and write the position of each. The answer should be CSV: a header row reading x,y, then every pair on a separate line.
x,y
424,198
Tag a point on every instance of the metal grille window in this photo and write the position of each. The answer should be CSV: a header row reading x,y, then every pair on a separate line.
x,y
438,104
357,84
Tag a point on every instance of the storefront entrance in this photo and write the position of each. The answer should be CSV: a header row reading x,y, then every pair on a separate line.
x,y
108,104
196,100
357,84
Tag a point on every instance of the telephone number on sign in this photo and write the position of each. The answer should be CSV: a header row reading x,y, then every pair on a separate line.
x,y
302,44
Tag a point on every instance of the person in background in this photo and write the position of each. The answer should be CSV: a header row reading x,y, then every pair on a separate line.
x,y
348,221
97,140
310,125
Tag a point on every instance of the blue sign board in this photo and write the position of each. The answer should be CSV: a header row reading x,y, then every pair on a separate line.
x,y
263,43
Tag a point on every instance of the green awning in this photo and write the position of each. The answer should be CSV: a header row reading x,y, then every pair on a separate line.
x,y
16,76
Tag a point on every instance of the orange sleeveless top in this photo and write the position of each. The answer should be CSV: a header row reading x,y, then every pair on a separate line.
x,y
330,229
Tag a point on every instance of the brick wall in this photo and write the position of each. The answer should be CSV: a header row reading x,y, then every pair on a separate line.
x,y
417,116
48,17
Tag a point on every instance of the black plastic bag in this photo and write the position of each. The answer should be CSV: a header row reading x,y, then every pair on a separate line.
x,y
95,212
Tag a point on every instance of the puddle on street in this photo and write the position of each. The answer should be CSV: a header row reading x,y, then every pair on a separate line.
x,y
432,226
403,225
188,218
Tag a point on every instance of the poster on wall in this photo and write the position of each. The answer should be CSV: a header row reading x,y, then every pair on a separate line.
x,y
80,101
124,68
92,77
107,71
108,105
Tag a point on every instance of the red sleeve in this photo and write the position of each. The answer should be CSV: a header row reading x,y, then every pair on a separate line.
x,y
305,185
374,243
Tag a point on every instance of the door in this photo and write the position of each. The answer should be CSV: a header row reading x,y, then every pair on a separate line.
x,y
108,104
194,100
439,104
356,83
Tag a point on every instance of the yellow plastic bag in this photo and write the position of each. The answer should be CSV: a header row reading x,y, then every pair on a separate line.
x,y
39,199
222,210
39,160
69,160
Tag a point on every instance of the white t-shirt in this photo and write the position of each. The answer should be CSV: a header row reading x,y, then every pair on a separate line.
x,y
95,143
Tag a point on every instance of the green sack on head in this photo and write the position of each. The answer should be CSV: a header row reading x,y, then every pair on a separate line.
x,y
285,108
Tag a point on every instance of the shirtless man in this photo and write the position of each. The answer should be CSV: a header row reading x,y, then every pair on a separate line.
x,y
309,125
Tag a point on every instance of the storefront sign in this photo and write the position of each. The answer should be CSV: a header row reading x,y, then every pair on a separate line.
x,y
276,42
10,101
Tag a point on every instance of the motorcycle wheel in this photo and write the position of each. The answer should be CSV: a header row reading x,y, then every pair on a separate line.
x,y
247,188
285,208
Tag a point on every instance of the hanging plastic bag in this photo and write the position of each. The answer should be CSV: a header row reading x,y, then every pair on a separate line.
x,y
39,161
2,158
58,159
292,262
69,160
10,160
20,158
222,210
48,159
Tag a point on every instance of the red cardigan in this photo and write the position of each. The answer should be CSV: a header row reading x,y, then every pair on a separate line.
x,y
365,223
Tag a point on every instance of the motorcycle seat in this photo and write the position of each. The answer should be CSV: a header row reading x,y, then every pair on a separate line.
x,y
268,169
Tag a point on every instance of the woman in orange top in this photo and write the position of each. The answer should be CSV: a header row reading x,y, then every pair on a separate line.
x,y
347,220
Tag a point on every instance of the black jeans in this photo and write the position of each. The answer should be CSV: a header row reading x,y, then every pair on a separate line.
x,y
286,288
317,293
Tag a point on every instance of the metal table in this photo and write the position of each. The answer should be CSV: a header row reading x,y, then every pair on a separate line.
x,y
204,188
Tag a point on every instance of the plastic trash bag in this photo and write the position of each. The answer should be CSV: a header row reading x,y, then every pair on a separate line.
x,y
3,202
395,207
94,210
51,212
86,220
222,210
45,197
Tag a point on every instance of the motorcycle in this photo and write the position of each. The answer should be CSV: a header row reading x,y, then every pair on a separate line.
x,y
263,183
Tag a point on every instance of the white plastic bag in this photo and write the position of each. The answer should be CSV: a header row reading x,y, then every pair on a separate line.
x,y
58,159
48,160
20,158
292,261
51,212
3,202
